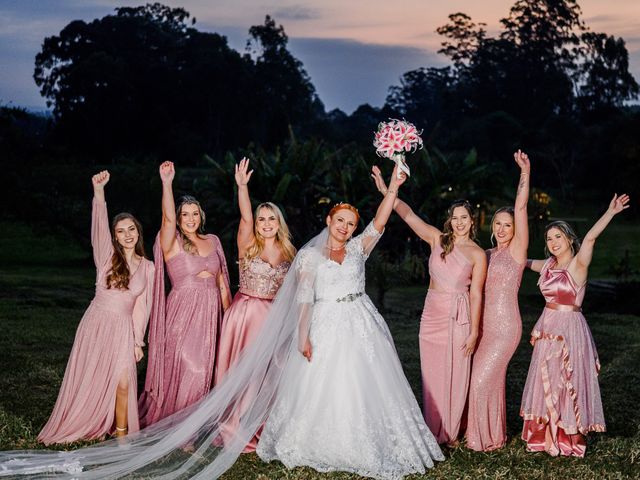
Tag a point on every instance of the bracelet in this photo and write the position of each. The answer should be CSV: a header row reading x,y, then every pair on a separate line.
x,y
524,173
390,190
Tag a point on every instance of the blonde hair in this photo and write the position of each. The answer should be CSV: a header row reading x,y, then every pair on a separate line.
x,y
567,231
283,236
446,239
187,245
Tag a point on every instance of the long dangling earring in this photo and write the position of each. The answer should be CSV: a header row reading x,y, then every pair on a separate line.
x,y
493,239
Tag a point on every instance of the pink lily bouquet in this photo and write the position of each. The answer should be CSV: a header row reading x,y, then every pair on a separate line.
x,y
394,139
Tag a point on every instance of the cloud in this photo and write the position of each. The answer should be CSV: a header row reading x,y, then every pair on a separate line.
x,y
296,12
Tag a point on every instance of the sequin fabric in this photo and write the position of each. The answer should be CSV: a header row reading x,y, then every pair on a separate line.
x,y
500,335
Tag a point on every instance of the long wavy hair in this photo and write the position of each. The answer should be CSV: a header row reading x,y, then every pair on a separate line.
x,y
567,231
283,236
187,244
508,209
446,239
119,275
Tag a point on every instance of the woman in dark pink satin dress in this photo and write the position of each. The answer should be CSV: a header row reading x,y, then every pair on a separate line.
x,y
501,326
265,253
561,399
183,330
99,389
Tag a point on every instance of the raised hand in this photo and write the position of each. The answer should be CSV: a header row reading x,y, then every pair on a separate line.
x,y
100,179
397,179
243,174
522,159
376,174
618,203
167,172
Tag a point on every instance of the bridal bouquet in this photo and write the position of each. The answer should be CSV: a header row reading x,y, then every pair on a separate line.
x,y
394,139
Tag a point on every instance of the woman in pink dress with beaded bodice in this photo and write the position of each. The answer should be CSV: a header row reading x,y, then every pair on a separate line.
x,y
265,253
451,317
501,326
99,389
183,329
561,399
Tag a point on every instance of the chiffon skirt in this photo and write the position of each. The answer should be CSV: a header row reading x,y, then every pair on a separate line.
x,y
102,351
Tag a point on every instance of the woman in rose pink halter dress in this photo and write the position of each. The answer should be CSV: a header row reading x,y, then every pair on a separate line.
x,y
451,316
98,392
265,253
183,329
561,399
501,325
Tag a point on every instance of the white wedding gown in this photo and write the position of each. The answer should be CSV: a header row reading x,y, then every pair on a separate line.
x,y
350,408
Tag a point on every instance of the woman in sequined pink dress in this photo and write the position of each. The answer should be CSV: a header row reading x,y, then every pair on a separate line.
x,y
101,372
561,399
183,329
265,253
501,326
451,317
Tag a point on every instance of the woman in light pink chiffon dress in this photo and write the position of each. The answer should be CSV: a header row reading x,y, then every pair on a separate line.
x,y
501,326
183,329
99,389
265,253
451,316
561,399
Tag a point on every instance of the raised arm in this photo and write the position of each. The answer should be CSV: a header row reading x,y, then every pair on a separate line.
x,y
428,233
100,231
478,276
520,242
168,228
386,206
245,229
585,254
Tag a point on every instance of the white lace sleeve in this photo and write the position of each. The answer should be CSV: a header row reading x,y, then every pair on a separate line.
x,y
368,239
306,273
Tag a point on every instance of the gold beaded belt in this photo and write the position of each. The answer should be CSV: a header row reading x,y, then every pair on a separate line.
x,y
563,308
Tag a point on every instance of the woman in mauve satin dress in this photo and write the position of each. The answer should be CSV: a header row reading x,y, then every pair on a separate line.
x,y
183,330
265,253
501,326
451,317
99,389
561,400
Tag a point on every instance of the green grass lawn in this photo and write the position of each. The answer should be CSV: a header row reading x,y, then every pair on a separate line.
x,y
46,282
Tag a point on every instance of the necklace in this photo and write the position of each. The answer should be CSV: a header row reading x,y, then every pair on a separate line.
x,y
335,249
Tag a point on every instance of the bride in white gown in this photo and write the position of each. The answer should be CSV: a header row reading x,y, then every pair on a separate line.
x,y
343,404
347,405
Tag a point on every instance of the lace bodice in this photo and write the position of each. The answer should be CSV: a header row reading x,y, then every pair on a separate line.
x,y
322,279
259,279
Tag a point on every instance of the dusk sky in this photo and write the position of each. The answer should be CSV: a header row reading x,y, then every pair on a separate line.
x,y
353,50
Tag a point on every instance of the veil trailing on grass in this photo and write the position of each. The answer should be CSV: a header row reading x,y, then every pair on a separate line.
x,y
204,440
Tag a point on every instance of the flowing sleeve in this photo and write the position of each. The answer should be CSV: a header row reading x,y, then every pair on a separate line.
x,y
101,235
306,269
154,383
368,239
142,307
223,263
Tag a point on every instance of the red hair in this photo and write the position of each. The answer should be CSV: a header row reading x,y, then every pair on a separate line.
x,y
344,206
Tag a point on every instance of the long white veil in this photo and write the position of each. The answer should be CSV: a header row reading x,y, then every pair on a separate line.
x,y
204,440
